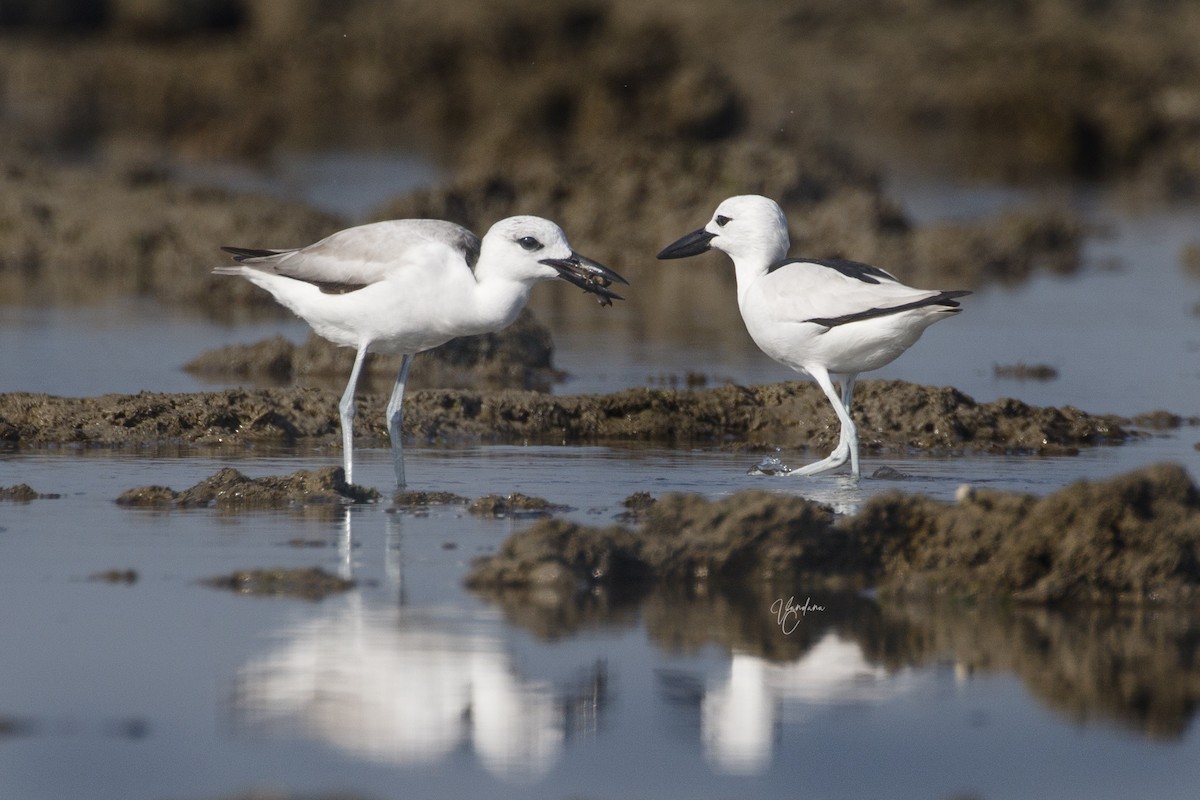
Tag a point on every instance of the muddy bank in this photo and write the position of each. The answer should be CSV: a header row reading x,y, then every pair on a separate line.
x,y
498,81
779,536
518,357
230,490
1131,539
74,234
637,157
891,416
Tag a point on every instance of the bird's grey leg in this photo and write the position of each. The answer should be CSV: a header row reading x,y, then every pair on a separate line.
x,y
848,391
395,419
347,410
848,438
850,435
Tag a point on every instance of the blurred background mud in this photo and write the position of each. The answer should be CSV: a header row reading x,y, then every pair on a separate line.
x,y
626,122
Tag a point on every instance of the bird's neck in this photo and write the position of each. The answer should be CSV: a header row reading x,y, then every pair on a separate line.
x,y
748,271
496,302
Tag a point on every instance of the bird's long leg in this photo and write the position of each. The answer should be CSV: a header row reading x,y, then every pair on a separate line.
x,y
847,440
843,434
848,391
347,410
850,435
395,419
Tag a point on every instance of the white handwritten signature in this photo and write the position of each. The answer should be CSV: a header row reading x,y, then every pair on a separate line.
x,y
788,614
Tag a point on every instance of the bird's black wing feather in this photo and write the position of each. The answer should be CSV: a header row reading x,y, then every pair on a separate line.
x,y
851,269
942,299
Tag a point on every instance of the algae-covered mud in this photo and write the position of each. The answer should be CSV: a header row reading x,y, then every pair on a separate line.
x,y
891,416
230,490
1131,539
306,584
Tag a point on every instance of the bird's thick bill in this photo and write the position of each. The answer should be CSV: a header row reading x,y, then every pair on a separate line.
x,y
693,244
588,275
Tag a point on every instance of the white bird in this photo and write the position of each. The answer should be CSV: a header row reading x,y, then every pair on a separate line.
x,y
404,286
821,317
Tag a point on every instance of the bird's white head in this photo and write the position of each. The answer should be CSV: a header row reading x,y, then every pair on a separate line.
x,y
531,249
749,228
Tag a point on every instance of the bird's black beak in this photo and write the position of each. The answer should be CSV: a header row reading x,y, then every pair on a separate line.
x,y
693,244
588,275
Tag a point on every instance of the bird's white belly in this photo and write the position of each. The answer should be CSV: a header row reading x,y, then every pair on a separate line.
x,y
395,318
375,314
843,349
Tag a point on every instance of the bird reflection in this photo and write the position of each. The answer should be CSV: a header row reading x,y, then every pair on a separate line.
x,y
404,687
740,712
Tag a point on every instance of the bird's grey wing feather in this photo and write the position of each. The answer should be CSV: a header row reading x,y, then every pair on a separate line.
x,y
364,254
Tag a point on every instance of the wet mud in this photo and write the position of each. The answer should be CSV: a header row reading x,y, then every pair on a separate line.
x,y
127,577
1130,539
891,416
515,505
15,726
159,236
23,493
636,506
495,82
648,138
1025,372
306,584
230,490
72,234
417,501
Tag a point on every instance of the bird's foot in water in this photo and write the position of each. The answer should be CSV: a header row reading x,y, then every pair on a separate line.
x,y
770,465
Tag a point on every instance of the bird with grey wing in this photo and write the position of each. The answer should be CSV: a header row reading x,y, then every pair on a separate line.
x,y
405,286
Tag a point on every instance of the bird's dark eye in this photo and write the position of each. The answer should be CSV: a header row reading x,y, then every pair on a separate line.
x,y
529,243
722,220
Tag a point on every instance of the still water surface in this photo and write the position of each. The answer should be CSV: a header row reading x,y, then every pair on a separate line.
x,y
410,685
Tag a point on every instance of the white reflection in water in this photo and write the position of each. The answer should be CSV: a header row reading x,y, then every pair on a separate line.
x,y
386,688
740,713
403,687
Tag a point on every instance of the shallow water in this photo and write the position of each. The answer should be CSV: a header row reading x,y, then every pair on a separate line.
x,y
410,686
